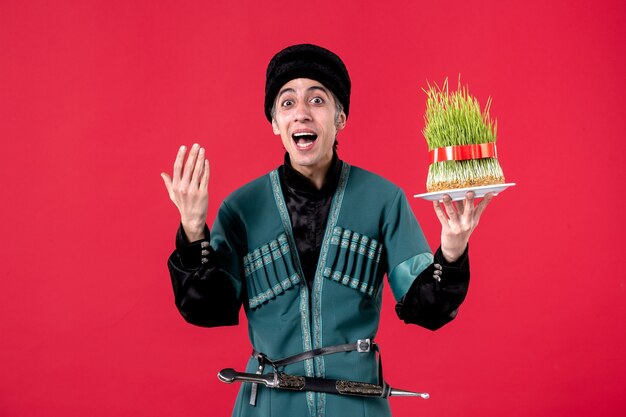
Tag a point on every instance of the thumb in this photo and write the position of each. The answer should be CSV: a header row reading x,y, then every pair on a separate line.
x,y
168,183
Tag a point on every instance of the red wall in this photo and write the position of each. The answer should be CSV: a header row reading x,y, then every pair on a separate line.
x,y
96,97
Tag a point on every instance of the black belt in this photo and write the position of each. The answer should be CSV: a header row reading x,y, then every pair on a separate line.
x,y
361,345
280,380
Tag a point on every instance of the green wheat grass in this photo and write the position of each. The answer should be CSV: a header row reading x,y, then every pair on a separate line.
x,y
455,118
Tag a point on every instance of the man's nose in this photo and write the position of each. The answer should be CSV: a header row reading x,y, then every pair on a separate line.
x,y
302,111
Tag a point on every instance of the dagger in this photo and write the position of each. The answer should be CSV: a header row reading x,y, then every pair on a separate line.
x,y
281,380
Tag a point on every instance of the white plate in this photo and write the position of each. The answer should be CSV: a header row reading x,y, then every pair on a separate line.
x,y
459,193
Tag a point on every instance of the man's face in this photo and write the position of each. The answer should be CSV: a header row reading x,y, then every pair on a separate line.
x,y
307,121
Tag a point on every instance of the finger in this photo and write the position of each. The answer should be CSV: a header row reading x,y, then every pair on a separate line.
x,y
167,180
468,204
451,210
205,175
168,184
440,214
482,205
197,170
191,161
178,164
460,206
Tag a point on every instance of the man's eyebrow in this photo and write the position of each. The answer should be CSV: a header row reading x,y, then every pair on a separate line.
x,y
318,87
312,88
285,90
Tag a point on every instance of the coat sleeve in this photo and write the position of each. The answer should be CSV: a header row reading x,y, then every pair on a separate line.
x,y
421,299
205,274
432,302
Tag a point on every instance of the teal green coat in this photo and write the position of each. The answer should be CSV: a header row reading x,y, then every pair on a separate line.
x,y
371,231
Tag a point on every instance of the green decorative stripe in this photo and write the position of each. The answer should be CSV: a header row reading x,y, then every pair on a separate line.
x,y
265,255
304,297
318,281
284,285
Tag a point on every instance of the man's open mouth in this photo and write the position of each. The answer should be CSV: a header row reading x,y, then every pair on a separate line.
x,y
304,140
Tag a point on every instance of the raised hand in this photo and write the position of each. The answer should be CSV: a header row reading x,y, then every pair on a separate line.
x,y
458,221
187,188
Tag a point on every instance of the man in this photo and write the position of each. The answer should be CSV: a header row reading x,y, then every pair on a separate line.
x,y
304,249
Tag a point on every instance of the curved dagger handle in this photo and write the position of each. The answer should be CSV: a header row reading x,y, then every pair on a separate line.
x,y
229,375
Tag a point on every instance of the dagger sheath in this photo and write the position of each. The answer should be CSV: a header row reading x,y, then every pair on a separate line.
x,y
284,381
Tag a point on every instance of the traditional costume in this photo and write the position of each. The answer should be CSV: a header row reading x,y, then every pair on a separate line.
x,y
310,279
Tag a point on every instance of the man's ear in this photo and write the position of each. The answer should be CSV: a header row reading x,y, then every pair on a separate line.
x,y
341,121
275,127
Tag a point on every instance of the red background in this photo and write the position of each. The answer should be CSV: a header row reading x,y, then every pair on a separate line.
x,y
96,97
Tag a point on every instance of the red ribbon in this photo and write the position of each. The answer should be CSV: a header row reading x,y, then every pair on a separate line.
x,y
463,152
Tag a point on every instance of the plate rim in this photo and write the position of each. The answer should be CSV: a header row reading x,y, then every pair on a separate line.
x,y
501,187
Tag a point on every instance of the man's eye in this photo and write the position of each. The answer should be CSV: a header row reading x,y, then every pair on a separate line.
x,y
287,103
317,100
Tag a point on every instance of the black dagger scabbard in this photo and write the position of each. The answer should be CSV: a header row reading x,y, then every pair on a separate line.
x,y
280,380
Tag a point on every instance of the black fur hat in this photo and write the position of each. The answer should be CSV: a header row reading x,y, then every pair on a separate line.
x,y
307,61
